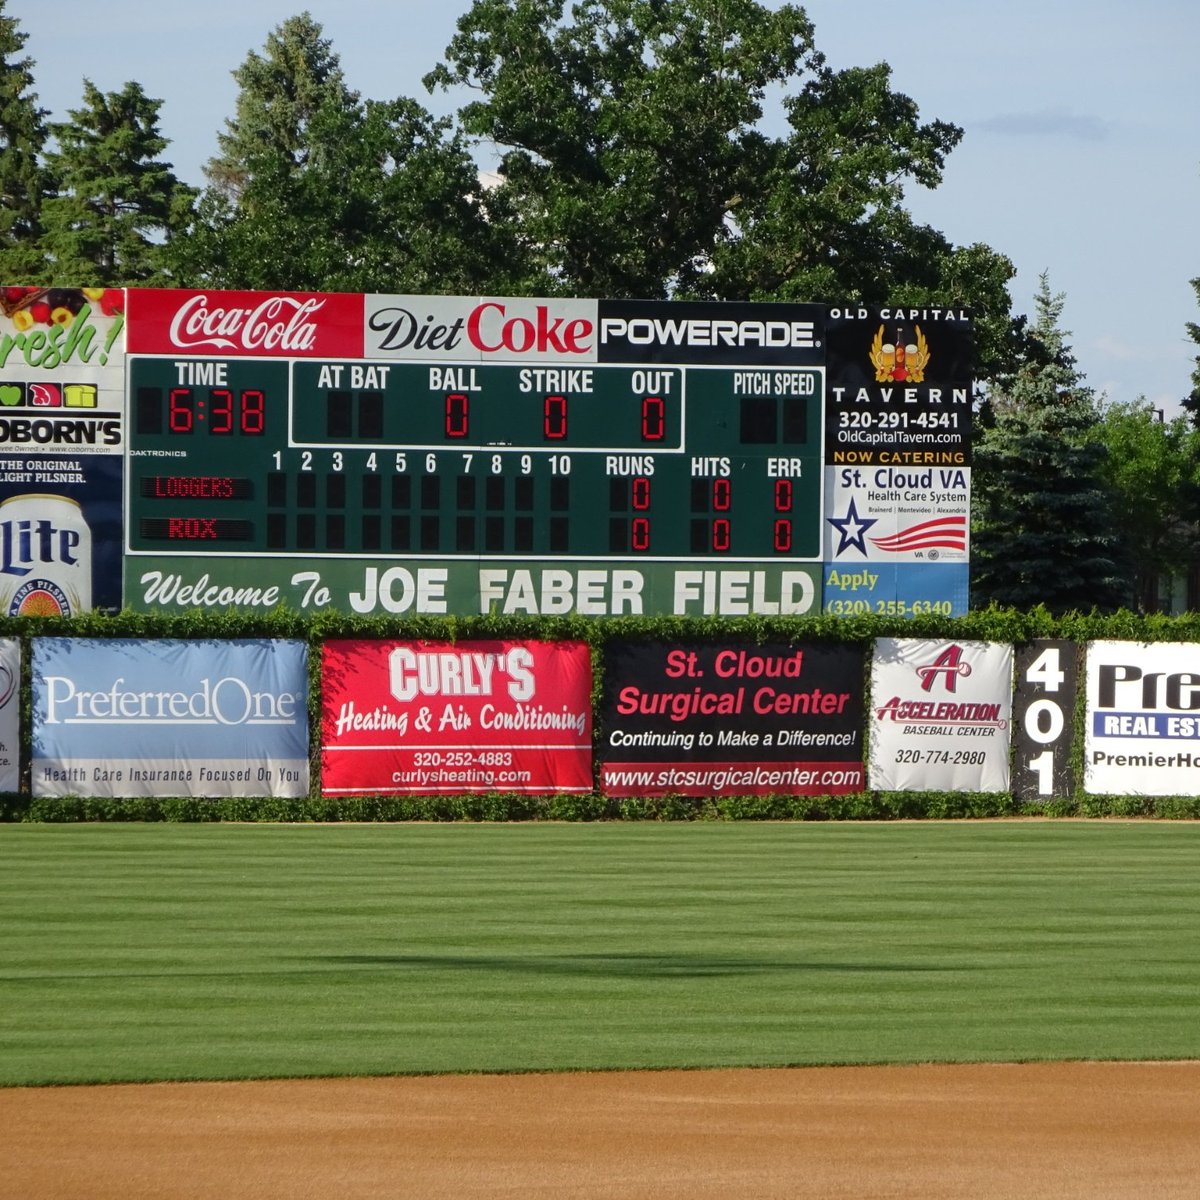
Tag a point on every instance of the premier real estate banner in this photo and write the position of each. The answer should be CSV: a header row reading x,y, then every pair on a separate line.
x,y
1143,719
120,717
438,718
699,718
940,715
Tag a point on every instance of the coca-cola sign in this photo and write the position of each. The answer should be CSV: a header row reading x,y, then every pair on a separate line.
x,y
223,324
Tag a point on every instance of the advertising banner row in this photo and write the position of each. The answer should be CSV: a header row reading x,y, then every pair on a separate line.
x,y
120,717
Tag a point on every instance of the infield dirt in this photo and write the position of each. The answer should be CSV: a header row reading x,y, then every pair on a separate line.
x,y
1099,1131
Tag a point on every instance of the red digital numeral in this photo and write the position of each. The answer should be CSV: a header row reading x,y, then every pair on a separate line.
x,y
554,418
654,419
254,419
783,495
722,495
721,535
179,412
641,533
783,536
220,416
641,493
458,415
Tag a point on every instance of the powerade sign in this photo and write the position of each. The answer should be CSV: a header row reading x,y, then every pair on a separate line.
x,y
117,717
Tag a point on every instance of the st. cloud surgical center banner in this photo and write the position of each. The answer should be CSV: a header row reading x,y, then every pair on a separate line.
x,y
695,718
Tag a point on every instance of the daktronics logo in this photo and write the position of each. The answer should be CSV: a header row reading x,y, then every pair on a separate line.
x,y
417,327
278,323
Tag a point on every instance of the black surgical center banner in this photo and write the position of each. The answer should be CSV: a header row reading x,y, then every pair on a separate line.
x,y
697,718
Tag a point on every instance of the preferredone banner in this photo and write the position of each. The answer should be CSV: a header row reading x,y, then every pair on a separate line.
x,y
941,712
1143,719
120,717
699,718
438,718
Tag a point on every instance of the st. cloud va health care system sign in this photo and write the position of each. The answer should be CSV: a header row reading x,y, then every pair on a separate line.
x,y
118,717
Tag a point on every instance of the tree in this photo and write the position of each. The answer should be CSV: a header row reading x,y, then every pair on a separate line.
x,y
1191,402
1152,466
280,94
317,190
1044,528
24,183
117,201
636,157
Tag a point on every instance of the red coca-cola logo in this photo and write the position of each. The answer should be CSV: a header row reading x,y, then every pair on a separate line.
x,y
163,321
278,323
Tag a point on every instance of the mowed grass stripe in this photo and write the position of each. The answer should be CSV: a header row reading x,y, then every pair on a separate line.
x,y
135,952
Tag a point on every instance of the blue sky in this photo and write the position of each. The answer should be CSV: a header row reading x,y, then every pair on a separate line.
x,y
1081,153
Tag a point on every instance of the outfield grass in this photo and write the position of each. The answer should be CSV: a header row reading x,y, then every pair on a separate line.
x,y
135,952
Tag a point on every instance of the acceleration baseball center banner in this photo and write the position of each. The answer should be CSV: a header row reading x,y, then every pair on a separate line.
x,y
437,718
697,718
1143,719
941,712
117,717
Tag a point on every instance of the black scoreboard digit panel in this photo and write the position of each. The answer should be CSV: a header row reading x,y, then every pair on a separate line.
x,y
409,454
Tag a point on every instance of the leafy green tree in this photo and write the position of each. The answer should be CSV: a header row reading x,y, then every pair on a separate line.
x,y
1152,466
117,199
629,130
317,190
635,156
25,184
1044,525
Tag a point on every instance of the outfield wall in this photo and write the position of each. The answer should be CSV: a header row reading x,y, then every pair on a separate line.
x,y
991,714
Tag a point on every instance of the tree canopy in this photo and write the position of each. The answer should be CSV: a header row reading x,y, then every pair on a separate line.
x,y
25,183
1043,518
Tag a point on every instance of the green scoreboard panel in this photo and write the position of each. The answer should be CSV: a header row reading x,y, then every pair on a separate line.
x,y
510,456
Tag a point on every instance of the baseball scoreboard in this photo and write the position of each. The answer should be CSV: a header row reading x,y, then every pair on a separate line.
x,y
438,454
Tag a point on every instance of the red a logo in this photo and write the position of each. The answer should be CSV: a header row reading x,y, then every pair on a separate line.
x,y
948,663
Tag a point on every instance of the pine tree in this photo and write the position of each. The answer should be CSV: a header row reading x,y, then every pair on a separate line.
x,y
118,201
1043,527
281,94
1191,402
316,190
24,182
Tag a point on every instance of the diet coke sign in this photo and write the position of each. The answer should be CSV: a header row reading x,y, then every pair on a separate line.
x,y
481,329
224,324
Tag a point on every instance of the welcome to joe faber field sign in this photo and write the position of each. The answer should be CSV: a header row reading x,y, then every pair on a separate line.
x,y
445,454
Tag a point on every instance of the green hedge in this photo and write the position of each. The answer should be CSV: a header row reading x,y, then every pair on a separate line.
x,y
1001,625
